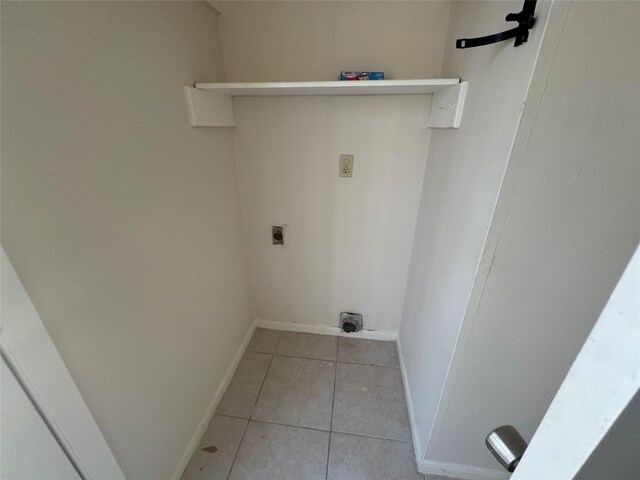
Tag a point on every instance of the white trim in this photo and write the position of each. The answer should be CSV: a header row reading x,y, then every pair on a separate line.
x,y
326,330
35,361
210,104
465,472
417,445
373,87
208,414
209,109
447,105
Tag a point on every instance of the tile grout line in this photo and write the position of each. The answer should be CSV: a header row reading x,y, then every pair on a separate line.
x,y
255,402
326,472
244,432
369,364
375,437
329,360
333,402
281,424
251,413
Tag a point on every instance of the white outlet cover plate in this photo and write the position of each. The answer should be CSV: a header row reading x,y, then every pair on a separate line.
x,y
346,165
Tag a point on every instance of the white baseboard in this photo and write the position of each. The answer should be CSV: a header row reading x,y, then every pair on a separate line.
x,y
417,445
326,330
208,414
465,472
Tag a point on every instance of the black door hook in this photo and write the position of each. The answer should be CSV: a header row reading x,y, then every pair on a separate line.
x,y
525,21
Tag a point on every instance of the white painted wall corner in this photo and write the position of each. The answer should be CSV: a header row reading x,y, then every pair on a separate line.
x,y
417,445
466,472
208,414
215,6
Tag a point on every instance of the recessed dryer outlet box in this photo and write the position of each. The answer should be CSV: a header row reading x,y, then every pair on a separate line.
x,y
277,235
350,322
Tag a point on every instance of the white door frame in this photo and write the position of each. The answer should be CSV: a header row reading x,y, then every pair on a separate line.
x,y
30,353
602,381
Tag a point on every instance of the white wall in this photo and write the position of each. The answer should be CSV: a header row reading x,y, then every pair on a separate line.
x,y
565,226
293,40
462,180
347,240
122,221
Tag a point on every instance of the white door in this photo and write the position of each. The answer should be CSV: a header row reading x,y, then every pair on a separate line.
x,y
592,427
28,448
44,400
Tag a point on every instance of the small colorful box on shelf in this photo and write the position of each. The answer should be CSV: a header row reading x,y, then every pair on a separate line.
x,y
361,75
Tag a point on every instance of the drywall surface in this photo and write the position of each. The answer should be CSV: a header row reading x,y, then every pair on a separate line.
x,y
566,224
347,240
462,180
277,41
121,220
591,428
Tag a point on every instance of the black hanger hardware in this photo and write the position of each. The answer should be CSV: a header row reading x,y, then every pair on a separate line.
x,y
525,21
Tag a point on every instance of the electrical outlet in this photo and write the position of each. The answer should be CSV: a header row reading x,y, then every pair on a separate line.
x,y
346,165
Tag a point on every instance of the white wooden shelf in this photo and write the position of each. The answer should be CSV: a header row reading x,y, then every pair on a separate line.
x,y
210,104
370,87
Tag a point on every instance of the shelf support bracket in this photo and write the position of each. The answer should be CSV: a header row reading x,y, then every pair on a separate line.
x,y
447,105
209,109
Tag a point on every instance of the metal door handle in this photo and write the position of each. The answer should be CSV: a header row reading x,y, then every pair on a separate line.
x,y
507,445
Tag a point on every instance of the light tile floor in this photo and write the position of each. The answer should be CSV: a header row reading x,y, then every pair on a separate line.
x,y
307,407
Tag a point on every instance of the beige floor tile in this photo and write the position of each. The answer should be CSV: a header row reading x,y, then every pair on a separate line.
x,y
279,452
242,392
308,345
297,391
214,456
369,400
360,458
263,340
369,352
